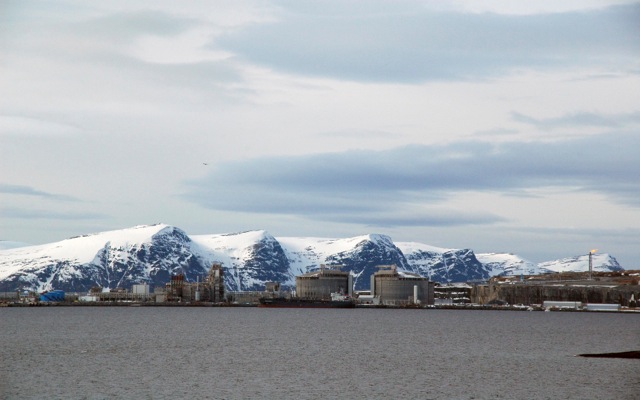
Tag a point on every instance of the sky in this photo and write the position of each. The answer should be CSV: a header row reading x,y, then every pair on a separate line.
x,y
500,126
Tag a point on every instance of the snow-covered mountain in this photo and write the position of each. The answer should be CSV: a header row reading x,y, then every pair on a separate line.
x,y
149,253
152,253
444,265
361,255
601,262
250,258
511,264
507,264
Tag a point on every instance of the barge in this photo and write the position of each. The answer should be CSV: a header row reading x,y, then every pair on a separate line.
x,y
337,301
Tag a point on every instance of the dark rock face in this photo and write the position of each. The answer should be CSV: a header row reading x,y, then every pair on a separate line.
x,y
451,266
366,256
168,253
57,273
265,261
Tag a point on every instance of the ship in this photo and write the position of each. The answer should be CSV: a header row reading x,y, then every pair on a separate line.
x,y
337,301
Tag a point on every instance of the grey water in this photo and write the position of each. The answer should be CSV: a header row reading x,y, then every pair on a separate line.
x,y
255,353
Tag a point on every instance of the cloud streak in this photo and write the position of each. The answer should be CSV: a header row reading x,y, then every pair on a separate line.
x,y
363,186
412,45
581,119
32,214
30,191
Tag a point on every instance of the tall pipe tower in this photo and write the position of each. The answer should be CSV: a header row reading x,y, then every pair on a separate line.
x,y
591,253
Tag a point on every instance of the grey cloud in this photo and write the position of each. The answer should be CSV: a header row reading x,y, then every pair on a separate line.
x,y
365,185
581,119
125,26
621,236
24,124
20,213
98,49
208,80
408,45
433,219
30,191
360,134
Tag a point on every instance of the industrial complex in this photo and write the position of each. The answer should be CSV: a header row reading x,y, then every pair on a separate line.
x,y
331,287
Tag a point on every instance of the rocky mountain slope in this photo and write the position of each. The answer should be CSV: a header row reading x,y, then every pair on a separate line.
x,y
361,255
108,259
601,262
507,264
250,258
444,265
152,253
511,264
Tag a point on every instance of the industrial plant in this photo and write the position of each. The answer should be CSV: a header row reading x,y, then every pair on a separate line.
x,y
331,287
211,290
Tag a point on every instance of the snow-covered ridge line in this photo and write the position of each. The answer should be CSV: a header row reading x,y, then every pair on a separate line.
x,y
151,253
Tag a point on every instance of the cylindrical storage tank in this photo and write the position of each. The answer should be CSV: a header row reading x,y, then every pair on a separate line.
x,y
141,289
396,288
320,284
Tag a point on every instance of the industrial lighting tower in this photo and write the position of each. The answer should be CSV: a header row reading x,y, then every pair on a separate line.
x,y
591,253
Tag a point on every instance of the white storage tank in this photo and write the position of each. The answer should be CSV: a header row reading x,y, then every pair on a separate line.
x,y
393,287
142,289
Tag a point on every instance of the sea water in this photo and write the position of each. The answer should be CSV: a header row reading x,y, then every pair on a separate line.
x,y
255,353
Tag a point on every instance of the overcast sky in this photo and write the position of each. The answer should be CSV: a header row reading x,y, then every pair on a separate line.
x,y
497,126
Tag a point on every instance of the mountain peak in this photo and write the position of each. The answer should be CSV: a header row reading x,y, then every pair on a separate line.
x,y
379,238
600,262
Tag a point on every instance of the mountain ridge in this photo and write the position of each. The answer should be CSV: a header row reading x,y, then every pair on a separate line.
x,y
152,253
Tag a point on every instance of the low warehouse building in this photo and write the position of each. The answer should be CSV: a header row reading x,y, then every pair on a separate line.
x,y
320,284
393,287
574,305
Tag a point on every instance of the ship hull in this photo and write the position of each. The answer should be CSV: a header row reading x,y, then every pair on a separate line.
x,y
304,303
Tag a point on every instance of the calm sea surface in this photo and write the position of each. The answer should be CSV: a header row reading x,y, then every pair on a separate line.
x,y
252,353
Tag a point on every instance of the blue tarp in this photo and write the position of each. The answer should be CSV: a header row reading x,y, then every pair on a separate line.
x,y
54,295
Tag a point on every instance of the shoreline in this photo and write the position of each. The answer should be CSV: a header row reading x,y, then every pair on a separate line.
x,y
474,307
